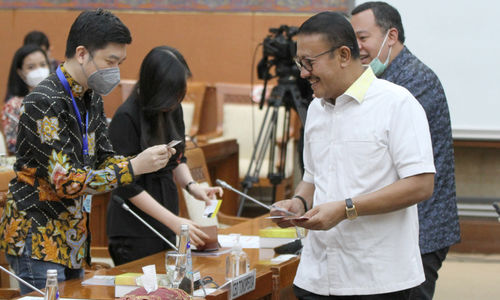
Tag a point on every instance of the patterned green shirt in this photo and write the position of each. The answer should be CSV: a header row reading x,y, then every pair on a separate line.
x,y
53,180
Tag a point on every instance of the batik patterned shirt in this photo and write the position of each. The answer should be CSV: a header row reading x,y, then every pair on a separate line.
x,y
53,178
438,216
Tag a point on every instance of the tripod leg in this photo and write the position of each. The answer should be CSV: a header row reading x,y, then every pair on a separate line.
x,y
265,134
278,177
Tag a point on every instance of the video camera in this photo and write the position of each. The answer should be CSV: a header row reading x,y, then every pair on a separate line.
x,y
280,46
278,51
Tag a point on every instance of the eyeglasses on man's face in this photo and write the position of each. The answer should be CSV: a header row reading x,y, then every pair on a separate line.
x,y
307,62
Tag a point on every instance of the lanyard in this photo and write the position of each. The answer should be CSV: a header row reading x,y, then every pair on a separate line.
x,y
65,83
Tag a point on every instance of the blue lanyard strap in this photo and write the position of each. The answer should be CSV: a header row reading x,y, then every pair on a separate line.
x,y
65,83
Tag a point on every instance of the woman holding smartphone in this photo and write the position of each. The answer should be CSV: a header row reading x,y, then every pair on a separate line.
x,y
152,115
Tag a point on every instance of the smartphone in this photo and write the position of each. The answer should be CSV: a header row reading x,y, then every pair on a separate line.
x,y
173,143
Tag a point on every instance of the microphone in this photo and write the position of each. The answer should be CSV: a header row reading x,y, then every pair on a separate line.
x,y
227,186
22,281
122,203
290,248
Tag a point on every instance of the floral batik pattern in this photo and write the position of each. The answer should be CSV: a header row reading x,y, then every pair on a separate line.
x,y
54,177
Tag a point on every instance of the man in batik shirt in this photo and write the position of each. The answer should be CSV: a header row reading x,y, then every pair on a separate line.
x,y
64,155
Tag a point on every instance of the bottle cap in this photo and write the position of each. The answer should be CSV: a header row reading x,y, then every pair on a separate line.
x,y
236,241
51,272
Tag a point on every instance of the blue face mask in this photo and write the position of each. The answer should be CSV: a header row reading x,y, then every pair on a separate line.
x,y
377,66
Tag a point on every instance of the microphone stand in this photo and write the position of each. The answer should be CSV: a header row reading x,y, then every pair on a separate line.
x,y
22,281
127,208
227,186
293,247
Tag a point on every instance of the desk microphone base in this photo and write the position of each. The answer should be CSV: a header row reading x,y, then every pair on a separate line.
x,y
290,248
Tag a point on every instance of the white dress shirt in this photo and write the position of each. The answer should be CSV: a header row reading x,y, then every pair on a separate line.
x,y
375,134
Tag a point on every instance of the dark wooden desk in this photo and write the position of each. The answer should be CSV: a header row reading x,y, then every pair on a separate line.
x,y
271,279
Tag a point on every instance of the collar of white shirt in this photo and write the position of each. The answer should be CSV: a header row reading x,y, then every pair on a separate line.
x,y
358,88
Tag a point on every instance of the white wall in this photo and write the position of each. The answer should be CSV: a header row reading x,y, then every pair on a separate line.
x,y
460,41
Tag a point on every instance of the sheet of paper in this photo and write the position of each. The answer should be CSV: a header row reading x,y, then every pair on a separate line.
x,y
200,293
219,252
108,280
246,241
212,209
282,258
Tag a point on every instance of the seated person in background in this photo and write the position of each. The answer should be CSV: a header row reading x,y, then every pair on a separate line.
x,y
39,38
30,66
152,115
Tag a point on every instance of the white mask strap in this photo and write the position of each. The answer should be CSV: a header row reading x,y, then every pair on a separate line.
x,y
383,43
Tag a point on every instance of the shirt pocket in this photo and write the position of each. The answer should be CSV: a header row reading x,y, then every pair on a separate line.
x,y
363,155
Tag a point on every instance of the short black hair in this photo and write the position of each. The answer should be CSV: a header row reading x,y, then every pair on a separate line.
x,y
94,29
38,38
335,28
15,84
386,16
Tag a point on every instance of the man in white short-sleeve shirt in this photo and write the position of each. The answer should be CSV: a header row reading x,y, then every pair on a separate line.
x,y
368,162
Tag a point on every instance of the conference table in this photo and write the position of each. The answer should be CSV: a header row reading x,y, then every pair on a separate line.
x,y
273,281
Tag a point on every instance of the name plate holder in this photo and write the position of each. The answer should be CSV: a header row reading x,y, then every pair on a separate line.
x,y
242,284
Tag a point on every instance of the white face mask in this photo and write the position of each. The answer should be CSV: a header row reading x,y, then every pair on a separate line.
x,y
36,76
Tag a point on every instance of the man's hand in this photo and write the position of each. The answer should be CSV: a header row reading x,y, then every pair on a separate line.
x,y
152,159
293,205
323,217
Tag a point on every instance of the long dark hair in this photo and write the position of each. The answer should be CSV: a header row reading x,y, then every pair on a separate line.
x,y
15,84
161,87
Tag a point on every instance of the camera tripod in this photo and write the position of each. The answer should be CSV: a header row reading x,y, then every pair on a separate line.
x,y
286,94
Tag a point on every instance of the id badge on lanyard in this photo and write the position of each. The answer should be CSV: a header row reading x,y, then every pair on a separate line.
x,y
83,131
87,201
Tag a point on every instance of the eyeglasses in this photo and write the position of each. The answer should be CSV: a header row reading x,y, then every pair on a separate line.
x,y
307,62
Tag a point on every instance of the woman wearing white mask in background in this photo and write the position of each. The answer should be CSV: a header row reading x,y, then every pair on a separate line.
x,y
30,66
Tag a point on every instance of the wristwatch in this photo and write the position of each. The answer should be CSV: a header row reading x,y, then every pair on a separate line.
x,y
350,209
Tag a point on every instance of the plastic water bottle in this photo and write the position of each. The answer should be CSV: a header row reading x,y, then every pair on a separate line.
x,y
51,286
185,248
237,261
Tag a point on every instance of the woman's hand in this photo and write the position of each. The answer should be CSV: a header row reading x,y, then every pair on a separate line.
x,y
205,193
196,236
